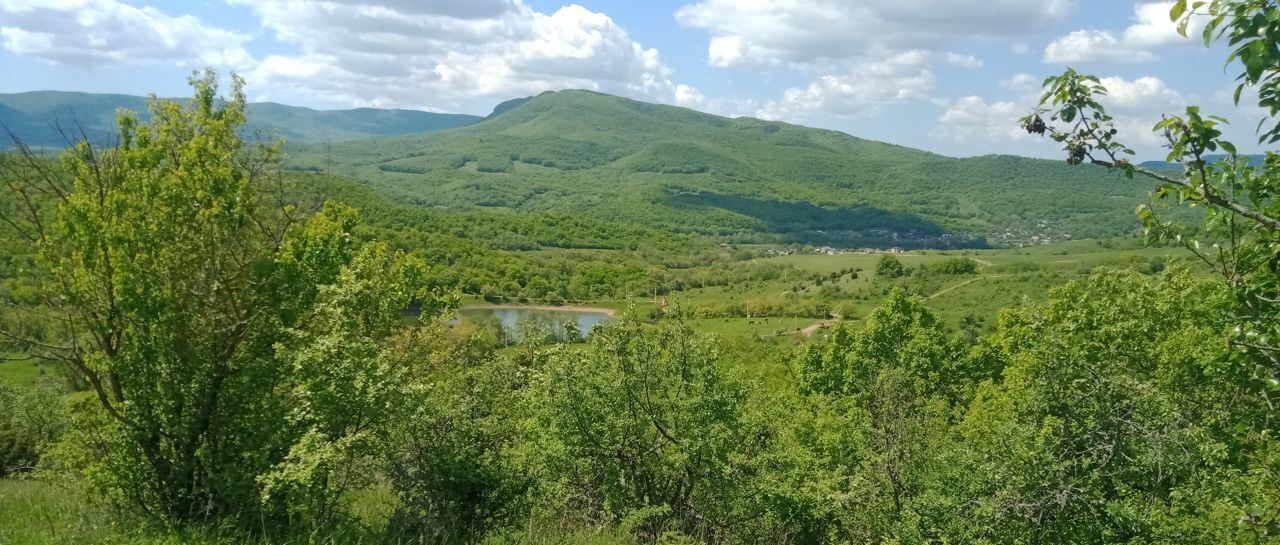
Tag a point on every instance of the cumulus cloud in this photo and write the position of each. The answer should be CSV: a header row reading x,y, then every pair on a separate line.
x,y
96,32
963,61
437,53
1021,83
1136,105
1145,93
429,54
973,118
858,56
1150,31
861,91
807,32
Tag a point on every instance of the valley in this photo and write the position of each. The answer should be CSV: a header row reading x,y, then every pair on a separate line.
x,y
588,319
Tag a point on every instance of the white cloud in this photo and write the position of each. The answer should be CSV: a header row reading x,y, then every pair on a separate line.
x,y
858,56
1150,31
726,51
1135,104
964,61
863,90
973,118
430,54
96,32
1145,93
1022,83
439,54
1084,46
814,32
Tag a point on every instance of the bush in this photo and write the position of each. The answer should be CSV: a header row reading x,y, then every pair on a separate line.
x,y
639,431
889,267
956,265
31,420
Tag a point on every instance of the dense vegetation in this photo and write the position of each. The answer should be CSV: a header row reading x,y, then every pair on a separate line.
x,y
235,364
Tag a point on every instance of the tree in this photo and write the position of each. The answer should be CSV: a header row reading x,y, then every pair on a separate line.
x,y
890,267
215,326
1239,236
644,429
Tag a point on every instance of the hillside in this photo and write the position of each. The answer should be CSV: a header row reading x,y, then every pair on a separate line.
x,y
34,117
743,179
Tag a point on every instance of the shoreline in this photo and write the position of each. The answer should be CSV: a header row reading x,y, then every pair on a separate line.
x,y
566,308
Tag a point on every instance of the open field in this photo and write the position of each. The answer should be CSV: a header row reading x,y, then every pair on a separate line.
x,y
1005,278
23,371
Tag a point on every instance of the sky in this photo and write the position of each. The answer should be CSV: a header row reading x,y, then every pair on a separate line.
x,y
949,76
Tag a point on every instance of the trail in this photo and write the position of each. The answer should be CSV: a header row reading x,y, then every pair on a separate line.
x,y
810,330
963,284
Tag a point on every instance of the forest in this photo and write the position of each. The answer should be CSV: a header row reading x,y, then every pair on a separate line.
x,y
211,338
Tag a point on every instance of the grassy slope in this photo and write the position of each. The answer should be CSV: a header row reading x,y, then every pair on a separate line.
x,y
578,151
32,117
1009,278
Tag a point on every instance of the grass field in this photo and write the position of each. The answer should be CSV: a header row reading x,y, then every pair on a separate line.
x,y
1005,278
23,371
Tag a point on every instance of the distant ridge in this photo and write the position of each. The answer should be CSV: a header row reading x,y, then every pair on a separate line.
x,y
34,117
1254,160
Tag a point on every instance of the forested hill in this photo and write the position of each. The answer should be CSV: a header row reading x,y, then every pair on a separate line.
x,y
744,179
35,116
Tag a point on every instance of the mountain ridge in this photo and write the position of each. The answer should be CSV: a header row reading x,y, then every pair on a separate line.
x,y
744,179
35,117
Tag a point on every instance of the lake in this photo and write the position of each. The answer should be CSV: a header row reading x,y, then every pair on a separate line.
x,y
512,318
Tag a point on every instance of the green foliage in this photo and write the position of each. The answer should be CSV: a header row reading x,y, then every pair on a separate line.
x,y
1112,420
450,459
955,265
31,421
1251,30
889,266
643,430
1238,232
199,317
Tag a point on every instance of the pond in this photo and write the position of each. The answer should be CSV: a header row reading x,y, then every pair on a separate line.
x,y
556,320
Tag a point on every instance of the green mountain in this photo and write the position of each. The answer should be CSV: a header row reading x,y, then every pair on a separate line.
x,y
740,179
35,117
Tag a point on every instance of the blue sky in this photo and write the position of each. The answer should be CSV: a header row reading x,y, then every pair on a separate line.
x,y
949,76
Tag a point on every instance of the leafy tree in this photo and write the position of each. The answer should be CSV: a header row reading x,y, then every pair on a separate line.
x,y
1239,236
222,336
1115,420
644,429
888,266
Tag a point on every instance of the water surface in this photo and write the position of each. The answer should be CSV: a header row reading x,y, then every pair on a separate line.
x,y
558,321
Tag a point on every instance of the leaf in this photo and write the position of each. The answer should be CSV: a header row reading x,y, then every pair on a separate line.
x,y
1176,12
